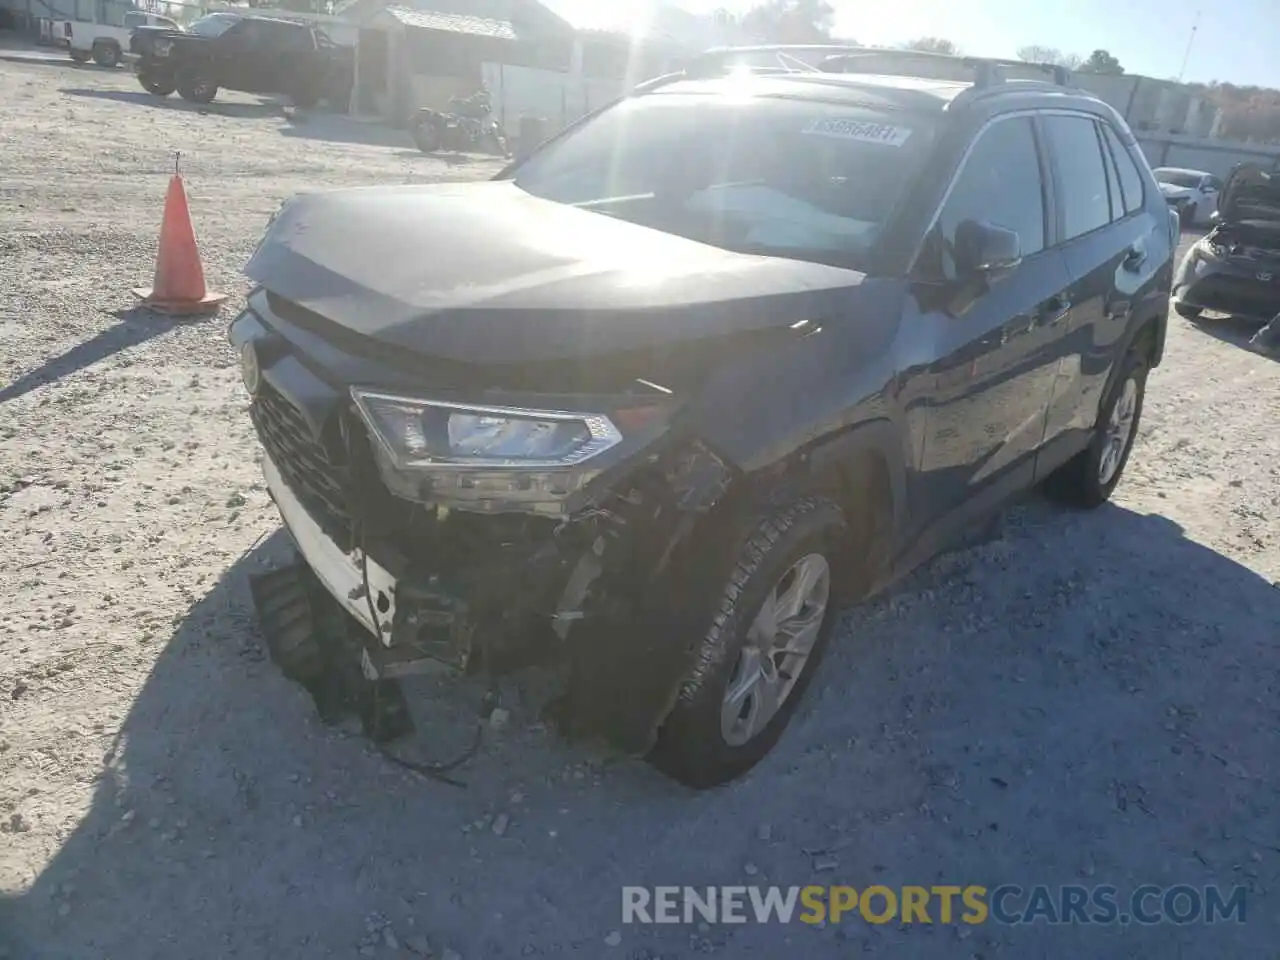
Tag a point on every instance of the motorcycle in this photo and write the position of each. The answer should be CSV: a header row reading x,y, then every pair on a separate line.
x,y
468,126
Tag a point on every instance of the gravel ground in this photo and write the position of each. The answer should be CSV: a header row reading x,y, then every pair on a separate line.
x,y
1089,698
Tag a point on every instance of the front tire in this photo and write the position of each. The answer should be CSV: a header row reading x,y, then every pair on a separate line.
x,y
1088,479
161,85
769,631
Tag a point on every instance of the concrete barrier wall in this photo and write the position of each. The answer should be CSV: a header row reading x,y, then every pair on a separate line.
x,y
1202,153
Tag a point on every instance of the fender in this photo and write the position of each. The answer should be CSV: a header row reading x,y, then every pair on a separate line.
x,y
840,455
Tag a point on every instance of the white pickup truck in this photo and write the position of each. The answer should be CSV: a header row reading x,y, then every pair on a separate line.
x,y
107,45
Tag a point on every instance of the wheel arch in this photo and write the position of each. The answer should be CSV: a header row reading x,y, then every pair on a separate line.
x,y
863,471
1148,336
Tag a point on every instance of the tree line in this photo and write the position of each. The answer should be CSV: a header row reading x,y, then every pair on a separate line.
x,y
813,21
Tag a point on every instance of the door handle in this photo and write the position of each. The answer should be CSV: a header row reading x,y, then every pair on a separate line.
x,y
1054,310
1135,255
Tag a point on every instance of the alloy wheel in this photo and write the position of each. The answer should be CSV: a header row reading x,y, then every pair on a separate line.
x,y
779,642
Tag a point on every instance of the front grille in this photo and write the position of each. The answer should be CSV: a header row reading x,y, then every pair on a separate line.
x,y
306,466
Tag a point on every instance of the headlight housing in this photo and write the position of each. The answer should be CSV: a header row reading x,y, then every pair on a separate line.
x,y
429,433
497,458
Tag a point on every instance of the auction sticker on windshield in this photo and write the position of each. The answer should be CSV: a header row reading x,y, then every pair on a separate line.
x,y
863,130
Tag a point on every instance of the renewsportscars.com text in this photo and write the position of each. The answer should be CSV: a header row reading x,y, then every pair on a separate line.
x,y
939,903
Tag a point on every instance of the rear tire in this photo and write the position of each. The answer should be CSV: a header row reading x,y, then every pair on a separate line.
x,y
197,89
711,737
106,54
1088,479
1186,312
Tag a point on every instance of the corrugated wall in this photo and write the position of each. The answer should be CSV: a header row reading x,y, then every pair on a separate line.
x,y
1213,156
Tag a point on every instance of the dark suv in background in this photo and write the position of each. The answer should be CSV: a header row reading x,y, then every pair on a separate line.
x,y
752,342
233,51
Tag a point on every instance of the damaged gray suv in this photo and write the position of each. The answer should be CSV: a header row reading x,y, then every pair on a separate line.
x,y
745,346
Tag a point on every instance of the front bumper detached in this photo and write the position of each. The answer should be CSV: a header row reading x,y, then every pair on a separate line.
x,y
352,579
619,594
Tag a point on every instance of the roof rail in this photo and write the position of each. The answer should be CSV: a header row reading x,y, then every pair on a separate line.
x,y
844,58
987,71
780,57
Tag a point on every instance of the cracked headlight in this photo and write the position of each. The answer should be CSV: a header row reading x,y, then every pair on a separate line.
x,y
494,459
426,433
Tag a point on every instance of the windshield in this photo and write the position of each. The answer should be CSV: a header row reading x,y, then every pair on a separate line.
x,y
213,25
806,179
1178,178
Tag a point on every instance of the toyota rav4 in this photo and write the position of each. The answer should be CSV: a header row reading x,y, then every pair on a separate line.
x,y
747,345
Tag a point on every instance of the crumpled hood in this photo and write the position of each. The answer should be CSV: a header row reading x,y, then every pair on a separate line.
x,y
484,272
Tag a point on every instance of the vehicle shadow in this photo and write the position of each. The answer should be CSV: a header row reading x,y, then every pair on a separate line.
x,y
338,128
449,159
227,821
137,325
144,99
1236,331
51,59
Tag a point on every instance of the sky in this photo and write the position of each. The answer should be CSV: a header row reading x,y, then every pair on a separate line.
x,y
1237,40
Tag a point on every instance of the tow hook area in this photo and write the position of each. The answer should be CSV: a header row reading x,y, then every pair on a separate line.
x,y
309,637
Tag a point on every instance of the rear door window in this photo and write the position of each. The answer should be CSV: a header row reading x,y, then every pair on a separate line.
x,y
1113,179
1082,178
1130,178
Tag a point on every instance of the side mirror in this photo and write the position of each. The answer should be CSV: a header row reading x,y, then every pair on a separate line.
x,y
984,250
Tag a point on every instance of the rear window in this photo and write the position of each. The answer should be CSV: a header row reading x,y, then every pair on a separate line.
x,y
1130,178
811,180
213,25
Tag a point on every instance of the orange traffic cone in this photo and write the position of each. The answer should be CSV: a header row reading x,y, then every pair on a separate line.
x,y
179,282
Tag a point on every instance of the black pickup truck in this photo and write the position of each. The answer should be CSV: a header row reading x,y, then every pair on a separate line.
x,y
246,53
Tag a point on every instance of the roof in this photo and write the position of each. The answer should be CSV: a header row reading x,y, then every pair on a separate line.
x,y
944,91
454,23
888,91
1194,173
